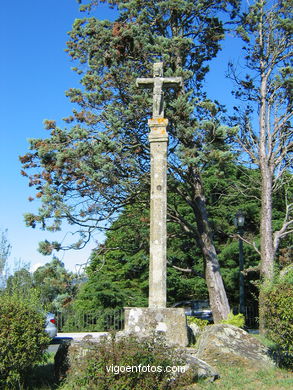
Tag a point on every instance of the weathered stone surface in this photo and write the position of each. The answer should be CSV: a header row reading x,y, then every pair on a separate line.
x,y
145,321
199,368
158,138
232,345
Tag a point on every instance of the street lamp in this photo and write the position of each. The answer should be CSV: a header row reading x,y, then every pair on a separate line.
x,y
239,221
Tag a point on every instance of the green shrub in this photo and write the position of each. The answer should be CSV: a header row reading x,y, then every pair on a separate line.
x,y
235,319
200,323
146,360
22,340
278,313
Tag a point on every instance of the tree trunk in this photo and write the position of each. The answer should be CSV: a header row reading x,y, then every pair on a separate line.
x,y
266,231
217,294
266,237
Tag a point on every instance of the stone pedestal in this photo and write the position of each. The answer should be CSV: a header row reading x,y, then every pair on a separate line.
x,y
169,322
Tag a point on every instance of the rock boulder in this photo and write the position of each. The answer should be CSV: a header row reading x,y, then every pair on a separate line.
x,y
231,345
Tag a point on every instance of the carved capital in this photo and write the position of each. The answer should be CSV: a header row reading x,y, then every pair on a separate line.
x,y
158,128
158,122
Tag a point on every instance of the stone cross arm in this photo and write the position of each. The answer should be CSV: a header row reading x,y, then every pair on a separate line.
x,y
172,82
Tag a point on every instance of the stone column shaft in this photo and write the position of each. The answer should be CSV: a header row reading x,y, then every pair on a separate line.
x,y
158,138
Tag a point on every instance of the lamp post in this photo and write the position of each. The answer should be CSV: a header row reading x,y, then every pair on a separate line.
x,y
239,220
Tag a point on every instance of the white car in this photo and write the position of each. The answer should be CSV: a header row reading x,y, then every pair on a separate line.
x,y
51,326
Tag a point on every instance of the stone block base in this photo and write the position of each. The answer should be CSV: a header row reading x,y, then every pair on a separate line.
x,y
145,321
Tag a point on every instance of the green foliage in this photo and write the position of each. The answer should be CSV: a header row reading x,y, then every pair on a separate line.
x,y
98,369
19,283
199,322
22,339
277,311
51,286
118,272
55,285
235,319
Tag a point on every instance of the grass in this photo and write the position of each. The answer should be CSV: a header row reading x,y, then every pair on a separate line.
x,y
237,378
232,378
42,376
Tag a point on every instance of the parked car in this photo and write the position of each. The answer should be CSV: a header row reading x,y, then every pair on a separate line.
x,y
198,309
50,325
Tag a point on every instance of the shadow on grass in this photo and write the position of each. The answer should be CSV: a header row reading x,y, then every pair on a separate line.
x,y
42,378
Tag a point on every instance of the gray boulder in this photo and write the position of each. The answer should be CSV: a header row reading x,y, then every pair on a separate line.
x,y
199,368
231,345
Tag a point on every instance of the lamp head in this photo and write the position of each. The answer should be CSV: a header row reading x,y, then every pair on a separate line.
x,y
239,219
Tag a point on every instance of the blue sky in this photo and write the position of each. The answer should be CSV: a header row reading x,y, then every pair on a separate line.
x,y
35,73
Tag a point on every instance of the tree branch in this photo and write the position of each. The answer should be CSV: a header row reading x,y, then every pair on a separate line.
x,y
253,244
187,270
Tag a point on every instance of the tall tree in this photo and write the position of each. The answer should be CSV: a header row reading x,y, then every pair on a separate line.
x,y
266,132
87,174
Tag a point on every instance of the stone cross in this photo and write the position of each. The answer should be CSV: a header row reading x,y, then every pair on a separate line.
x,y
158,82
158,138
169,321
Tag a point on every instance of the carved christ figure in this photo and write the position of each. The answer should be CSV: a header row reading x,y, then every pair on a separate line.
x,y
159,83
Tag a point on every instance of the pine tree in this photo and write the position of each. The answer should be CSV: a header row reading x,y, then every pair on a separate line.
x,y
88,173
